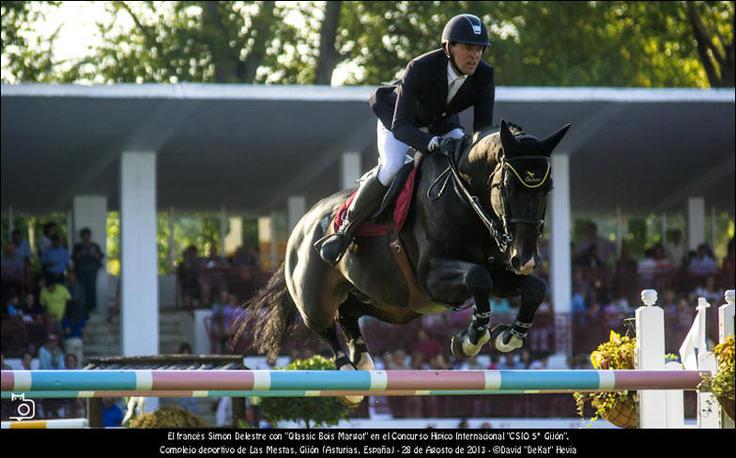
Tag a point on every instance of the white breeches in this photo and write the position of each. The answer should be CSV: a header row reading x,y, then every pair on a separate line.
x,y
392,153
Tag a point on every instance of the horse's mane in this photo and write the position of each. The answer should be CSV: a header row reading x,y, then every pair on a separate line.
x,y
487,143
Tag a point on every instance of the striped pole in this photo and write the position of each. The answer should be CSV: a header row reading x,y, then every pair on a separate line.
x,y
61,423
80,383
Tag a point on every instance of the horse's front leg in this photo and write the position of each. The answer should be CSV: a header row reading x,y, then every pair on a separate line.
x,y
453,281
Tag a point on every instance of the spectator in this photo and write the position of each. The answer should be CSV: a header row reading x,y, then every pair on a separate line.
x,y
213,276
77,293
703,264
710,292
112,415
50,355
54,298
589,258
675,247
55,258
49,230
220,324
73,408
73,328
27,362
663,262
538,364
426,346
578,300
6,367
729,265
87,257
190,404
508,362
647,267
12,272
471,364
187,277
605,249
525,360
22,249
493,365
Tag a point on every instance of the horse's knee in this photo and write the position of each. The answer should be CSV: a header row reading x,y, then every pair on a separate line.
x,y
478,279
533,290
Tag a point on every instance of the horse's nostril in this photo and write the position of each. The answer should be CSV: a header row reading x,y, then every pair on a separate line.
x,y
515,263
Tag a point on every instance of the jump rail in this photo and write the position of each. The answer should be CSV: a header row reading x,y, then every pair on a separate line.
x,y
81,383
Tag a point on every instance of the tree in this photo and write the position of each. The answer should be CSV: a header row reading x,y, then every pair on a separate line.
x,y
328,55
26,58
582,43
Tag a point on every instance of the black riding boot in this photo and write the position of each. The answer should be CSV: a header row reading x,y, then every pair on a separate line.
x,y
367,198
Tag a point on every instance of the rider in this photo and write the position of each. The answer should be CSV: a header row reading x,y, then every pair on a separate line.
x,y
421,111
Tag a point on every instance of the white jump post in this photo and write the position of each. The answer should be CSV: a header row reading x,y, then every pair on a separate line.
x,y
650,356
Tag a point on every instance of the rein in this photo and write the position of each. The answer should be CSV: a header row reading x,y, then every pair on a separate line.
x,y
502,236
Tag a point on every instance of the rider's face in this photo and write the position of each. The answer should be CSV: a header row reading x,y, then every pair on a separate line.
x,y
467,57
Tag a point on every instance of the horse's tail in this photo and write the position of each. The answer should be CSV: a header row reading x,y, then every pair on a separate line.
x,y
268,317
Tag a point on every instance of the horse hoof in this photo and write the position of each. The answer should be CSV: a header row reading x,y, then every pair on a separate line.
x,y
351,401
461,346
456,345
499,335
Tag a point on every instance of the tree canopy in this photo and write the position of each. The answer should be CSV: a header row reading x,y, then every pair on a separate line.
x,y
645,44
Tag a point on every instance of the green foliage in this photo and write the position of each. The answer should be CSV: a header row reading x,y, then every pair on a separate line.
x,y
722,384
618,353
317,411
647,44
28,56
168,417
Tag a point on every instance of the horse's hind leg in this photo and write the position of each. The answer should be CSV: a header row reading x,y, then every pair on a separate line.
x,y
342,362
349,313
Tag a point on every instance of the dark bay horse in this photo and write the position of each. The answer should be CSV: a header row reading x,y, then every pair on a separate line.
x,y
472,232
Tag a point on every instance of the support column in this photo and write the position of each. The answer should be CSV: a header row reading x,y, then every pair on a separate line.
x,y
91,212
349,170
139,263
560,265
695,222
297,207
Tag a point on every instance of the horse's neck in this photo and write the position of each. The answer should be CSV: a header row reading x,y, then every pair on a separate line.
x,y
478,164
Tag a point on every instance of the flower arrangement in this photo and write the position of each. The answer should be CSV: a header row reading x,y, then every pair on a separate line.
x,y
722,384
620,408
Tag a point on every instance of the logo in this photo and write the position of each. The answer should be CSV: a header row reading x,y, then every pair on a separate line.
x,y
474,23
530,177
26,408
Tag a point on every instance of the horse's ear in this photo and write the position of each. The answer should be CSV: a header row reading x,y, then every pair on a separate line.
x,y
507,138
549,143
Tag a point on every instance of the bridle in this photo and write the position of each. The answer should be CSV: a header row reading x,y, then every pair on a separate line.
x,y
530,182
501,235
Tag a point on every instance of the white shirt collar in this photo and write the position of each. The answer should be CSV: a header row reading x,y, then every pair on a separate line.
x,y
451,75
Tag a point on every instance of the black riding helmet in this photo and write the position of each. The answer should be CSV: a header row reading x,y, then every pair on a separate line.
x,y
465,28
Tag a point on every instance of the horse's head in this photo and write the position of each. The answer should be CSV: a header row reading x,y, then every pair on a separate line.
x,y
519,184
